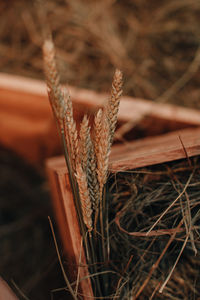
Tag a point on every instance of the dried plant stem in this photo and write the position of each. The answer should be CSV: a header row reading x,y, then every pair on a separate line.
x,y
188,219
61,264
88,243
61,105
168,208
102,172
87,161
153,268
174,266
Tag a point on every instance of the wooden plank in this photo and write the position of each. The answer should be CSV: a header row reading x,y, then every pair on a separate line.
x,y
147,151
130,108
155,150
69,228
26,118
141,153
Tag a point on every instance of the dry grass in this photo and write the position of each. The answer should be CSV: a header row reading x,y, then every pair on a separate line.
x,y
154,43
160,262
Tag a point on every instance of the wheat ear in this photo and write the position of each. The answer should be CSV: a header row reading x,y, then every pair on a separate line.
x,y
84,143
88,161
112,106
102,152
70,129
53,81
97,130
84,196
93,183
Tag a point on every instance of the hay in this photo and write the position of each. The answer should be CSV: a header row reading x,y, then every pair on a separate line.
x,y
155,45
137,200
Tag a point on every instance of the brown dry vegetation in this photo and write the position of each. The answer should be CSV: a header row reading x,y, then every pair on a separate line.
x,y
155,43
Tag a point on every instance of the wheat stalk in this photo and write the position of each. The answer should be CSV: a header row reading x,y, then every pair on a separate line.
x,y
104,128
84,196
86,158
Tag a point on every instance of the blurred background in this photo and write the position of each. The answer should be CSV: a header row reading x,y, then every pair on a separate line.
x,y
154,43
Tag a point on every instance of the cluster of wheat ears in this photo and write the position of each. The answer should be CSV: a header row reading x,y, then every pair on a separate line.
x,y
86,152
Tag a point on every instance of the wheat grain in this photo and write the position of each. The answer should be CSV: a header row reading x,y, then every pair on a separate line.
x,y
112,105
97,130
88,161
84,142
53,81
102,153
70,129
84,196
93,183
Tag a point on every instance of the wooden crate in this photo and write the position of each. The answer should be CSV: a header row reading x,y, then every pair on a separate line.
x,y
173,145
28,127
145,152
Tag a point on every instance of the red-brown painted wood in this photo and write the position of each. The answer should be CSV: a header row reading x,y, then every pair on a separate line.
x,y
145,152
28,127
69,227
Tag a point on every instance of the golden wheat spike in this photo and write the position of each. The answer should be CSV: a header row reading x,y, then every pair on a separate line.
x,y
97,130
112,106
71,134
102,153
53,81
93,184
84,196
84,143
88,161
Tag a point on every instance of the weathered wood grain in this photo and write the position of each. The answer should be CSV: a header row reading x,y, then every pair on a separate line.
x,y
28,127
